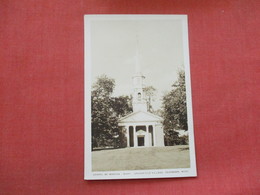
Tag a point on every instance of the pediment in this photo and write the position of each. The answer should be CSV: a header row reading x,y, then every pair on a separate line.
x,y
140,117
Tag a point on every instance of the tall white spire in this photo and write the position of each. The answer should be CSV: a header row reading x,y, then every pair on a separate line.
x,y
137,64
139,103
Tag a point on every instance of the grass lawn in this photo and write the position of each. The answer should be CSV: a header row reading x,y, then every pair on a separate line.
x,y
168,157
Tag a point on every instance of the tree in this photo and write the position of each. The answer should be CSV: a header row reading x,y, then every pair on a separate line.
x,y
171,137
149,92
104,120
106,111
104,87
175,109
122,105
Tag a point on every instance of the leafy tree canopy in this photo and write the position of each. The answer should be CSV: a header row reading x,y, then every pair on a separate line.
x,y
175,109
149,92
106,111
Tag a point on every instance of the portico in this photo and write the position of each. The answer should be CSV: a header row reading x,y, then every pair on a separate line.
x,y
140,135
142,129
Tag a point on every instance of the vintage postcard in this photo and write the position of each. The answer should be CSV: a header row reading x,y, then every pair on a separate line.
x,y
138,107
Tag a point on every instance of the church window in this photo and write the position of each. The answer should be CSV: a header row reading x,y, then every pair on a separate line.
x,y
139,96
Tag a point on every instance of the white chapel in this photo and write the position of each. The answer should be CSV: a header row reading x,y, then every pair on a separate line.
x,y
142,128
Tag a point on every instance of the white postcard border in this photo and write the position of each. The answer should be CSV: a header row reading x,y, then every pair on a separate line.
x,y
135,174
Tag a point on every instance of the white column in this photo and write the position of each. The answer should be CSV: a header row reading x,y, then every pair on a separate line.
x,y
135,137
147,141
154,143
127,136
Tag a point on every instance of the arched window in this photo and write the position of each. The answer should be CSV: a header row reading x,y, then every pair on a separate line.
x,y
139,96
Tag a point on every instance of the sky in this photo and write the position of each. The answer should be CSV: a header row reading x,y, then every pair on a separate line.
x,y
159,44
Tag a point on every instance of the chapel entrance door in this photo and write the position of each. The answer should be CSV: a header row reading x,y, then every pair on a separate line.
x,y
140,140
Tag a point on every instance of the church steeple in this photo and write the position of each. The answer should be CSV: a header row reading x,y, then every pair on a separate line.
x,y
139,102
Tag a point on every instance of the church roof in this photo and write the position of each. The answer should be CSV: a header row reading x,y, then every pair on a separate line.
x,y
140,116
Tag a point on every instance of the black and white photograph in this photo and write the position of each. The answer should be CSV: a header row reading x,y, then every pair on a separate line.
x,y
138,107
